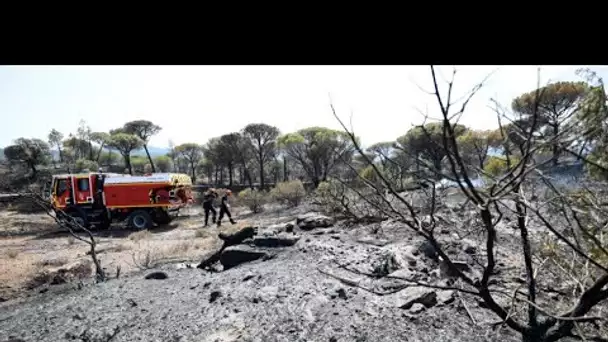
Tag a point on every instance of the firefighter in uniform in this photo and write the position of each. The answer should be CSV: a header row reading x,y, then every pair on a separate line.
x,y
208,199
225,209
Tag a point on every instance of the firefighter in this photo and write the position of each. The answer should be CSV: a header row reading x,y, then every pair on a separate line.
x,y
208,199
225,209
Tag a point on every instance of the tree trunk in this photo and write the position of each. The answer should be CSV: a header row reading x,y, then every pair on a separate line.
x,y
217,173
210,175
150,159
192,168
222,176
128,163
277,171
98,153
555,149
100,275
261,160
316,173
91,151
536,334
248,177
60,153
174,161
34,171
437,165
581,151
285,174
230,169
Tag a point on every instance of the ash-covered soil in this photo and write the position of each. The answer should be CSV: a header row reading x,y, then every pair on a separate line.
x,y
314,290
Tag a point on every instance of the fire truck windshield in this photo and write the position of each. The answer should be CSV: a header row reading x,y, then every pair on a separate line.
x,y
62,186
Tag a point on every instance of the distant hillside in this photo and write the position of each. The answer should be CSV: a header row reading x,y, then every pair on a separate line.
x,y
154,151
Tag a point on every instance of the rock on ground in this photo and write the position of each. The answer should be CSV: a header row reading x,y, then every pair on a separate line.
x,y
416,294
279,240
235,255
313,220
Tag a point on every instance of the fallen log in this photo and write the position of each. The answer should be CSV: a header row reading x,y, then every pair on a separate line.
x,y
229,240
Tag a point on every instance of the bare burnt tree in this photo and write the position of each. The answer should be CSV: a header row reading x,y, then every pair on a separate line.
x,y
507,199
72,226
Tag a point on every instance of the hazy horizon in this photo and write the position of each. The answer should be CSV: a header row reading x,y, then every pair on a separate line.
x,y
196,103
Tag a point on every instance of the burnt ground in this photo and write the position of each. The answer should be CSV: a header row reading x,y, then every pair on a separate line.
x,y
312,291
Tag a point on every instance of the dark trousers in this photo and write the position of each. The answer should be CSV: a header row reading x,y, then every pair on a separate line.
x,y
209,208
224,210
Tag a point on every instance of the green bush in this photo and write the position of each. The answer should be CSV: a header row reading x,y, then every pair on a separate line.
x,y
497,166
595,172
291,193
253,199
85,164
369,175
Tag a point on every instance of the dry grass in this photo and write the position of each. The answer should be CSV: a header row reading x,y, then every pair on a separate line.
x,y
146,259
15,271
122,247
24,257
201,233
179,248
54,261
18,223
141,235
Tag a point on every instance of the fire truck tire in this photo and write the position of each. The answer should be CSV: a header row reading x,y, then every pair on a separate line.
x,y
79,216
104,224
140,220
161,217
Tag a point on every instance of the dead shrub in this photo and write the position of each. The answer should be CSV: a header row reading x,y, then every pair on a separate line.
x,y
290,193
146,259
141,235
333,197
78,271
12,253
179,248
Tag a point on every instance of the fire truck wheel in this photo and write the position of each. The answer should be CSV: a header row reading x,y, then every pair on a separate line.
x,y
104,224
140,219
79,216
161,217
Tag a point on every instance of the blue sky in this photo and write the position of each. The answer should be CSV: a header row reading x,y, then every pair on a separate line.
x,y
195,103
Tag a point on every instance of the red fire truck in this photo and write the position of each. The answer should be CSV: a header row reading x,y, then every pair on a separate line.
x,y
100,198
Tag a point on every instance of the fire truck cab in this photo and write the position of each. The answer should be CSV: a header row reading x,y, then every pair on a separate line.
x,y
100,198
